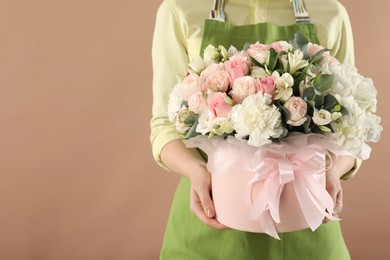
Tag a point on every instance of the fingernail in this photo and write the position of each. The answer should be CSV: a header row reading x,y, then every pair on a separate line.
x,y
210,213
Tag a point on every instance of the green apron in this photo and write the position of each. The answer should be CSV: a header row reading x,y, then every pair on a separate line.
x,y
187,238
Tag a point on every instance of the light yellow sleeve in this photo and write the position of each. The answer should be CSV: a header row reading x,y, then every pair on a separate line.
x,y
170,63
344,51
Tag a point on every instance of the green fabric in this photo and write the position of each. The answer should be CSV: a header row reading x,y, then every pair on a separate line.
x,y
226,34
187,238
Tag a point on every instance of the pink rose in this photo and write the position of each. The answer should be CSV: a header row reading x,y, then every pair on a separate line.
x,y
214,78
259,52
281,46
298,110
237,66
312,49
268,85
218,105
243,87
189,86
326,57
197,103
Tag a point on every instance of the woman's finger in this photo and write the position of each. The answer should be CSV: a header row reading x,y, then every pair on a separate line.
x,y
197,209
339,202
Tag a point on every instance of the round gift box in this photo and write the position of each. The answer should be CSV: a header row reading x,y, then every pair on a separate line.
x,y
232,207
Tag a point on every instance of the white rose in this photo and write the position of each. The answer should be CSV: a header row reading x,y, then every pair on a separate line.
x,y
210,55
257,118
197,65
322,117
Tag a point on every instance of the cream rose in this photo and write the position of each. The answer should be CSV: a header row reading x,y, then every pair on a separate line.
x,y
298,110
243,87
214,78
197,103
189,86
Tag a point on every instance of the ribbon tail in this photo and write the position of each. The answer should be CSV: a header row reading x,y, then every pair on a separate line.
x,y
274,193
260,204
321,198
313,217
268,225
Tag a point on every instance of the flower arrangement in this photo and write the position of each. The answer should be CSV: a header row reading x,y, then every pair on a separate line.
x,y
278,110
265,92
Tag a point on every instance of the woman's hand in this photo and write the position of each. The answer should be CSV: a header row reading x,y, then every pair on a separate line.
x,y
201,203
340,165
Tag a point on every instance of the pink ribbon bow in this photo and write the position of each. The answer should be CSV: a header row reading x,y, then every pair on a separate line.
x,y
276,170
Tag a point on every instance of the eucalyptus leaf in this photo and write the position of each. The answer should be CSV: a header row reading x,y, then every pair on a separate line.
x,y
192,131
306,125
318,56
191,119
344,111
300,42
247,45
323,82
330,102
309,94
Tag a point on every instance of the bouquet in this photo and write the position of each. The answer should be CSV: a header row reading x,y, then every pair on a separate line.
x,y
291,102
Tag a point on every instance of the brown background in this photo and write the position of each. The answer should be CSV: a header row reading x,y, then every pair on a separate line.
x,y
77,179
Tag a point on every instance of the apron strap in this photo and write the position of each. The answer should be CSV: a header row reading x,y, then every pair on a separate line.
x,y
301,14
217,13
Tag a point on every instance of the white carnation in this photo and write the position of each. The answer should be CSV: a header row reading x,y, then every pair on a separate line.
x,y
258,119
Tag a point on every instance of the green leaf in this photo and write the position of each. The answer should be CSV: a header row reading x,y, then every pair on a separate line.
x,y
247,45
283,111
330,103
192,131
344,111
318,101
323,82
318,56
273,58
309,94
306,125
184,103
191,119
228,100
300,42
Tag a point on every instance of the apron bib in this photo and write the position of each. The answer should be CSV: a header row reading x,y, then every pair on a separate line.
x,y
186,237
